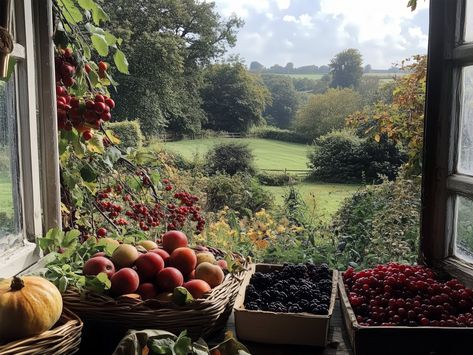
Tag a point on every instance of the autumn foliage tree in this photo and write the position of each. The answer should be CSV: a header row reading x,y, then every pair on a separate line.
x,y
403,119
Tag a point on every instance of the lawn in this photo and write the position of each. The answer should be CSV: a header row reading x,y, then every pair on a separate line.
x,y
269,154
323,199
6,199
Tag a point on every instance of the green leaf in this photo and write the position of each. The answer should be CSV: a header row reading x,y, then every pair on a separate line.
x,y
71,12
162,346
111,39
99,283
88,174
99,15
100,44
62,284
181,296
183,344
121,62
95,144
86,4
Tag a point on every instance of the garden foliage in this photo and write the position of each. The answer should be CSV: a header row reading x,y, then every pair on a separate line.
x,y
129,133
285,135
230,158
342,156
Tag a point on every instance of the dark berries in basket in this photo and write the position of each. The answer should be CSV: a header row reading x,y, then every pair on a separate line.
x,y
293,288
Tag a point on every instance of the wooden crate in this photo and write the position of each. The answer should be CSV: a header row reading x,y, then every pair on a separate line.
x,y
281,328
403,340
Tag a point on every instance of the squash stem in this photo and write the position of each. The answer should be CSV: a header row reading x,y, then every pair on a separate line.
x,y
17,284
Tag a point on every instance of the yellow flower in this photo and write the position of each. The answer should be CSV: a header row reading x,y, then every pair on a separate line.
x,y
280,229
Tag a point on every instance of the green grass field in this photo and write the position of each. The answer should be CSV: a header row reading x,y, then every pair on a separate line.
x,y
6,198
269,154
323,199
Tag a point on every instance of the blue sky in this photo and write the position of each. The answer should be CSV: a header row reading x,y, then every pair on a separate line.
x,y
313,31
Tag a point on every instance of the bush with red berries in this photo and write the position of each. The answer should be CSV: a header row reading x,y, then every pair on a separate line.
x,y
396,294
85,112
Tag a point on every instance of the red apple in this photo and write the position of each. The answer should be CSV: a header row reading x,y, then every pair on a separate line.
x,y
197,288
148,265
147,290
163,253
223,264
169,278
183,259
98,264
125,281
191,275
173,240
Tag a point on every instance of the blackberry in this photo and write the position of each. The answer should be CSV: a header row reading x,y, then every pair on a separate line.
x,y
252,306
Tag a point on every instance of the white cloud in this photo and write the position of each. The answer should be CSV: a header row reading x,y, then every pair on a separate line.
x,y
374,20
416,33
304,20
243,8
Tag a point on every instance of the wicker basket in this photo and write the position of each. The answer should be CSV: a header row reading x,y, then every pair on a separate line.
x,y
200,318
63,338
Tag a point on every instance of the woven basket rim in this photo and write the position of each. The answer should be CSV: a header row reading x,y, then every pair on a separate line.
x,y
65,335
216,293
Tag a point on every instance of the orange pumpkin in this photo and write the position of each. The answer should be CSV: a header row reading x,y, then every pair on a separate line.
x,y
29,306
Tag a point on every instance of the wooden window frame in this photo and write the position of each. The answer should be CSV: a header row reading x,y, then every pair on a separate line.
x,y
447,54
39,182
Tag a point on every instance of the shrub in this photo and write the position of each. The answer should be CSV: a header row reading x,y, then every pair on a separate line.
x,y
275,179
238,192
285,135
379,224
129,133
341,156
230,158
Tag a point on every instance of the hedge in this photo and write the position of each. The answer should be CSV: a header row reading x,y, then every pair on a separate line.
x,y
129,133
285,135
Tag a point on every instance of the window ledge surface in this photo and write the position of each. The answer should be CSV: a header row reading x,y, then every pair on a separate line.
x,y
15,260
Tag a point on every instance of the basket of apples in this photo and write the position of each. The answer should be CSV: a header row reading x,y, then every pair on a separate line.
x,y
172,287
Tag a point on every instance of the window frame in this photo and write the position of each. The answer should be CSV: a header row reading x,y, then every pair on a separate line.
x,y
447,54
39,181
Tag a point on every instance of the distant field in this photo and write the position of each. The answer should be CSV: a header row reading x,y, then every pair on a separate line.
x,y
322,198
384,77
6,198
269,154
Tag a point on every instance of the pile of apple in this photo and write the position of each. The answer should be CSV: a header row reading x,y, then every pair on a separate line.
x,y
157,272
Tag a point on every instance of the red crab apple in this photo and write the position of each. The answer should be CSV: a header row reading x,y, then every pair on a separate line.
x,y
162,253
147,290
169,278
223,264
125,281
173,240
197,288
148,265
98,264
183,259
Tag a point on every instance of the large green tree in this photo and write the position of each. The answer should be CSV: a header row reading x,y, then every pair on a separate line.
x,y
346,68
167,43
284,100
233,98
326,112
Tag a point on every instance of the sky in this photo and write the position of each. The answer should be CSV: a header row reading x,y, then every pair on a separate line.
x,y
307,32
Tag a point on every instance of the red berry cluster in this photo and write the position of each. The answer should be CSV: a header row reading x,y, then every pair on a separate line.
x,y
395,294
172,213
85,113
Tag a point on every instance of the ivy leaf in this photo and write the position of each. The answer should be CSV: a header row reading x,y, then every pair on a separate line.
x,y
121,62
100,44
161,346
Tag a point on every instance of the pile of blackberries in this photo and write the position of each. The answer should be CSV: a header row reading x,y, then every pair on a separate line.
x,y
293,288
